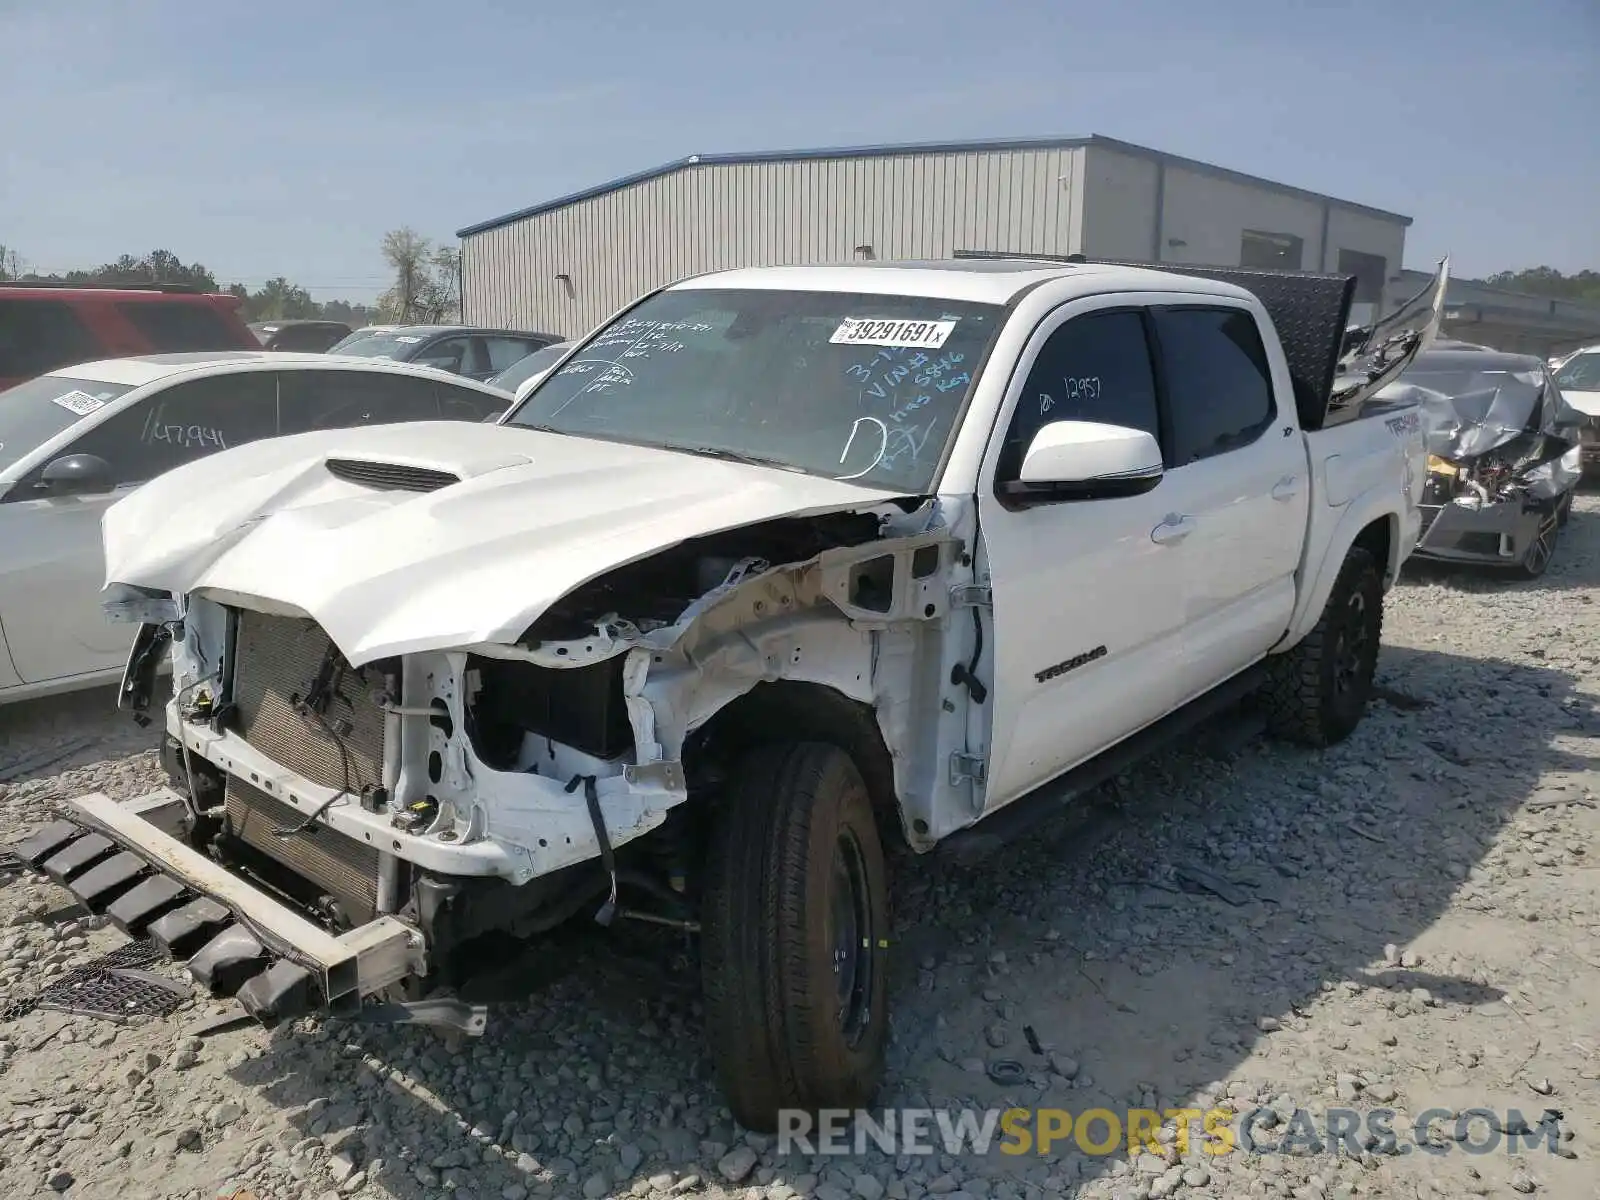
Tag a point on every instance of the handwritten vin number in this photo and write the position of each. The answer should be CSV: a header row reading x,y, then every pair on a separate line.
x,y
859,331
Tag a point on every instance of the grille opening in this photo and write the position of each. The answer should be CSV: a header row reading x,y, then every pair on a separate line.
x,y
581,707
390,476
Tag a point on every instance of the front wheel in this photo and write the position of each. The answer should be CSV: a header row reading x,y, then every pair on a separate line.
x,y
1316,693
794,934
1542,548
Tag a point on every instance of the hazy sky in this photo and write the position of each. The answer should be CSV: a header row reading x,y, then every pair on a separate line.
x,y
286,137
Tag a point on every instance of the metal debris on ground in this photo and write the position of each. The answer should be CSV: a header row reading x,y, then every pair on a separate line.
x,y
1196,880
111,985
1033,1040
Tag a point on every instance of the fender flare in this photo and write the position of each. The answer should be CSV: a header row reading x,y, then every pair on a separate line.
x,y
1371,507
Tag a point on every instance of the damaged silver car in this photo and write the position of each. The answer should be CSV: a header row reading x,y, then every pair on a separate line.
x,y
1503,456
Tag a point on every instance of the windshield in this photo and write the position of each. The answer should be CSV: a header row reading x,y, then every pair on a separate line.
x,y
378,345
1580,373
524,369
860,387
32,413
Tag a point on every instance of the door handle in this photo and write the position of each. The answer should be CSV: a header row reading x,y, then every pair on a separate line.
x,y
1286,488
1174,529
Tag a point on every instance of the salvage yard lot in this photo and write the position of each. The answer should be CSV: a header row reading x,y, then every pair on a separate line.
x,y
1408,921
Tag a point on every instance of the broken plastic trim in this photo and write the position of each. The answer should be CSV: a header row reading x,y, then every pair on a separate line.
x,y
441,1012
1376,355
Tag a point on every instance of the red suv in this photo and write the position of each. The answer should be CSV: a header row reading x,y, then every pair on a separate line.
x,y
43,327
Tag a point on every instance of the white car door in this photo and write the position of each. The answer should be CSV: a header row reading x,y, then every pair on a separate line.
x,y
1243,472
1088,595
53,567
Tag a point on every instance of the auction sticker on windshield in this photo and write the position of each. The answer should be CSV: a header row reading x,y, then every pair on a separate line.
x,y
78,402
864,331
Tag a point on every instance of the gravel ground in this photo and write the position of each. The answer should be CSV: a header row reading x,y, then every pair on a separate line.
x,y
1409,922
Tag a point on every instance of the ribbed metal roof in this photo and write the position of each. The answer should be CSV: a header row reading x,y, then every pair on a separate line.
x,y
972,147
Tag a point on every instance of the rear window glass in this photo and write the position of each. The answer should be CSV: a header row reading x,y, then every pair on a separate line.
x,y
171,326
40,335
34,412
311,338
380,345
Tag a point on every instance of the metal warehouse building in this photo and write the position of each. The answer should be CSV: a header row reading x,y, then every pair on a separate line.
x,y
566,265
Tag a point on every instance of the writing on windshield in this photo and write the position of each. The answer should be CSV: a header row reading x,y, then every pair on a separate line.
x,y
852,386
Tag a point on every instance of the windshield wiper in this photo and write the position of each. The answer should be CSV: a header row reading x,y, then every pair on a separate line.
x,y
738,456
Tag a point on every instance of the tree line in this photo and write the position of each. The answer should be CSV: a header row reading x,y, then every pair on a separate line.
x,y
1584,286
426,287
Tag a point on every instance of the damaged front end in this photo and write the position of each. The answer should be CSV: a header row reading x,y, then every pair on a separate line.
x,y
337,830
1503,455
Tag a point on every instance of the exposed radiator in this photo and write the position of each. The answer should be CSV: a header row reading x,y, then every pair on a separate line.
x,y
276,664
341,866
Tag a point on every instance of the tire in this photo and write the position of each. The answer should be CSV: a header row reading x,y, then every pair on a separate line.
x,y
1542,549
796,913
1317,693
1564,510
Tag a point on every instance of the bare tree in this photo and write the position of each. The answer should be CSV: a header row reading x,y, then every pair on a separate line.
x,y
426,278
11,264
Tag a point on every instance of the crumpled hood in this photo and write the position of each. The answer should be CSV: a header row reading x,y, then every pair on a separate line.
x,y
388,571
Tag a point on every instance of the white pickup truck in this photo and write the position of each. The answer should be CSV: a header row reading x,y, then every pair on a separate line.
x,y
778,572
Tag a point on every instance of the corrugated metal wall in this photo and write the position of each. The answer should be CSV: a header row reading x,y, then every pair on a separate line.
x,y
614,247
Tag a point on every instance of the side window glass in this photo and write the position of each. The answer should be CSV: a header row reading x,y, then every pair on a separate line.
x,y
1217,378
504,351
184,423
448,354
464,404
345,399
1093,368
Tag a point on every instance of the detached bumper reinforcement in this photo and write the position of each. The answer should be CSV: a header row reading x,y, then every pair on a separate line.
x,y
235,939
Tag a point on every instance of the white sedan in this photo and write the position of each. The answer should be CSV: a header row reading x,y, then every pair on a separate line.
x,y
74,441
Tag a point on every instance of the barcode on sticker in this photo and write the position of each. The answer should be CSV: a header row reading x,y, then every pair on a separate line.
x,y
865,331
78,402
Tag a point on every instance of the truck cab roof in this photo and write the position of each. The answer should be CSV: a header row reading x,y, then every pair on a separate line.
x,y
979,280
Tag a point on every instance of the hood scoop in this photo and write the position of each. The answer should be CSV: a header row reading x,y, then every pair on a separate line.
x,y
392,477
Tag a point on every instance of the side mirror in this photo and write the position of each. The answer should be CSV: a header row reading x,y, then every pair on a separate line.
x,y
1087,460
75,475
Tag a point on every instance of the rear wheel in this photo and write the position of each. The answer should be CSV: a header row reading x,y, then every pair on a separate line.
x,y
1316,693
794,934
